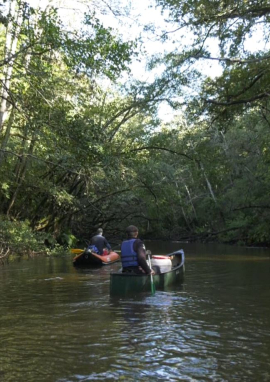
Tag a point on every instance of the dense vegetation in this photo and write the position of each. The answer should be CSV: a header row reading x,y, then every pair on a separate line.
x,y
81,148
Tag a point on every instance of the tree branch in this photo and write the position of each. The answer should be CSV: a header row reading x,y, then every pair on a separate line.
x,y
162,149
233,60
239,102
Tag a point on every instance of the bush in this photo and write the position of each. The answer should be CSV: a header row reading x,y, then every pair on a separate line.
x,y
19,237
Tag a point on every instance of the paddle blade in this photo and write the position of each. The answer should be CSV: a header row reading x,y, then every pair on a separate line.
x,y
77,251
153,287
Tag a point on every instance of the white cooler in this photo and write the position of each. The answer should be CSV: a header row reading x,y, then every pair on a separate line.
x,y
161,264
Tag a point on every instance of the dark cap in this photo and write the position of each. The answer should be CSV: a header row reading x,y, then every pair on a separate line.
x,y
132,228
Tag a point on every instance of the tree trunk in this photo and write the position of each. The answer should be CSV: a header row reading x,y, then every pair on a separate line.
x,y
15,18
7,135
209,186
21,171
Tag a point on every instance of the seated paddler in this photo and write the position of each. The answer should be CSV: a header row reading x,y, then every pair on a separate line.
x,y
99,244
133,255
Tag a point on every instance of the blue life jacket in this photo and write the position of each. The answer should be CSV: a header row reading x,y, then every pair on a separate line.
x,y
93,248
129,257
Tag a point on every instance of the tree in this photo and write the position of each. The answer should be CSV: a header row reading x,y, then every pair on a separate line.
x,y
233,26
47,138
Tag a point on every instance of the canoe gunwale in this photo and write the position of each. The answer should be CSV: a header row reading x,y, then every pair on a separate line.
x,y
120,273
176,253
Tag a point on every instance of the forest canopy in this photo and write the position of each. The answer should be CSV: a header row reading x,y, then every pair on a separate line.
x,y
84,142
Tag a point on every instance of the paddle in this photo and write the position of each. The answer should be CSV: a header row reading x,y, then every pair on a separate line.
x,y
153,288
77,250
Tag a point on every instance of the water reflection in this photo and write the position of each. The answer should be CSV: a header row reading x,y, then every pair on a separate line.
x,y
59,323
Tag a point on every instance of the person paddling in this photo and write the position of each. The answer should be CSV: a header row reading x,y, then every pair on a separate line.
x,y
133,255
99,242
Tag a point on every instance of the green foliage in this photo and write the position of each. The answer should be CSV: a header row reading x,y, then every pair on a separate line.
x,y
67,239
231,30
78,153
18,236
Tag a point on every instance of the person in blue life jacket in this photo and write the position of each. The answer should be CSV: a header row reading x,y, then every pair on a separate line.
x,y
99,242
133,255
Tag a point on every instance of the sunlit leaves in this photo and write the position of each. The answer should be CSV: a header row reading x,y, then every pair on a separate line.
x,y
95,50
224,32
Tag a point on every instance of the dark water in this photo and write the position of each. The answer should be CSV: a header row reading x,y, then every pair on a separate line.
x,y
60,324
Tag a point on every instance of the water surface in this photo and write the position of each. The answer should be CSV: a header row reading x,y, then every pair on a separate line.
x,y
59,323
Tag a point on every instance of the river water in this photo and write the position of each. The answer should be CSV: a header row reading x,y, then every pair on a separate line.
x,y
59,323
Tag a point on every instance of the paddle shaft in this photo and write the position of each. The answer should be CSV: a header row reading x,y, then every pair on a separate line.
x,y
151,276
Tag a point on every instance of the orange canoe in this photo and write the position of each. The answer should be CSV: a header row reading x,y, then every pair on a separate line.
x,y
88,258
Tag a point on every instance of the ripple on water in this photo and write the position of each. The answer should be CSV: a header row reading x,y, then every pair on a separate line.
x,y
59,324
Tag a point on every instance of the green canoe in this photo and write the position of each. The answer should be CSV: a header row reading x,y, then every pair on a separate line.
x,y
122,284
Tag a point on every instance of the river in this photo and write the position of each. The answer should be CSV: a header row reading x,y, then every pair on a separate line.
x,y
59,323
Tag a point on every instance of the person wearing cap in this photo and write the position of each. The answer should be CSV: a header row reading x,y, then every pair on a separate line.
x,y
133,254
100,242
